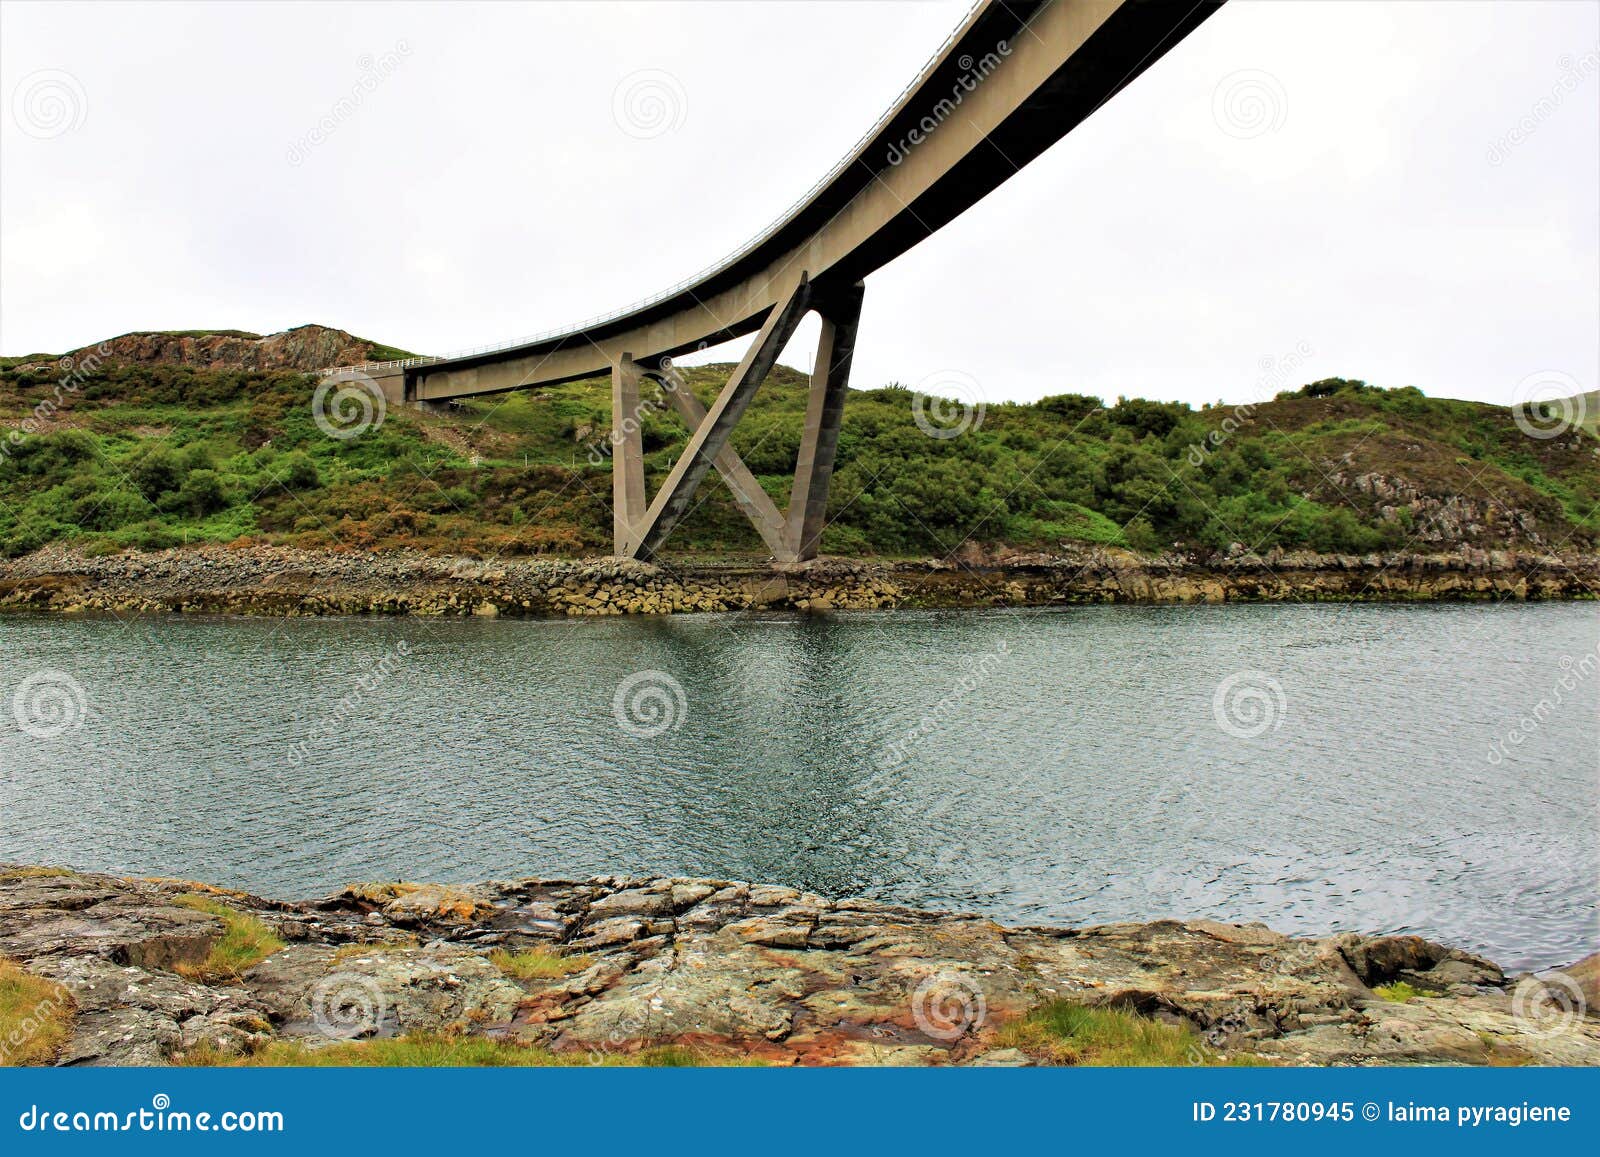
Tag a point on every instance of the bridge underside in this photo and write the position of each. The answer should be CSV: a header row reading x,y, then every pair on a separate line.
x,y
1011,81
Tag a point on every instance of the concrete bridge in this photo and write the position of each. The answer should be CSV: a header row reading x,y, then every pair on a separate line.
x,y
1011,80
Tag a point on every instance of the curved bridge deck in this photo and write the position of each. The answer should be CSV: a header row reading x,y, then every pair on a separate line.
x,y
1015,77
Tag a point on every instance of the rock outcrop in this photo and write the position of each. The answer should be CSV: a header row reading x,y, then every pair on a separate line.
x,y
306,347
284,580
736,970
1438,521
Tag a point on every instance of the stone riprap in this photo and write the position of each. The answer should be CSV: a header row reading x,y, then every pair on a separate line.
x,y
281,580
741,971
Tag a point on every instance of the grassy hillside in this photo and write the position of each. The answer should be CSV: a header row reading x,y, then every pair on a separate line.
x,y
158,455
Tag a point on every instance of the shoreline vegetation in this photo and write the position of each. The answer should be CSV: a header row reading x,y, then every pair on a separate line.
x,y
153,441
276,580
97,969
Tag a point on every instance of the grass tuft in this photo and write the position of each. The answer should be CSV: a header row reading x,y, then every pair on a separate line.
x,y
1063,1033
245,941
12,875
351,951
537,963
35,1016
439,1050
1399,992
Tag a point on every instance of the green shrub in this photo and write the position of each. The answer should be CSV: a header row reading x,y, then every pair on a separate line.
x,y
299,472
157,472
162,455
202,493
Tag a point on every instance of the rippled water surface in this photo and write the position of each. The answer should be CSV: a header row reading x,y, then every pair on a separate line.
x,y
1316,767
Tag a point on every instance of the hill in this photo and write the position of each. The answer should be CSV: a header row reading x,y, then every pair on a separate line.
x,y
1586,411
135,449
306,347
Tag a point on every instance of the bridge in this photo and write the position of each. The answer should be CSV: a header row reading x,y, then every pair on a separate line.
x,y
1012,79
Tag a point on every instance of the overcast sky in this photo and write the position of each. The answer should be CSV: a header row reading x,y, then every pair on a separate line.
x,y
1402,192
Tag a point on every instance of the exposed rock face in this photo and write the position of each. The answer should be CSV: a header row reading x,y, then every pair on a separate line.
x,y
735,969
1439,520
283,580
306,347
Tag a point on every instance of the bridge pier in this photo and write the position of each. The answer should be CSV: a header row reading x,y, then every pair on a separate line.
x,y
639,532
627,454
747,493
830,378
709,438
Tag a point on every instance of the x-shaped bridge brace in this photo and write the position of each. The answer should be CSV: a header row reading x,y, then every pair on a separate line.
x,y
792,536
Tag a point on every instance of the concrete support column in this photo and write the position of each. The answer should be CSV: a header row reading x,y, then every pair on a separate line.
x,y
627,456
708,440
819,443
747,493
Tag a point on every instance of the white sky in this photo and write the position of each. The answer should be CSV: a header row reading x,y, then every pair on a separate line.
x,y
485,188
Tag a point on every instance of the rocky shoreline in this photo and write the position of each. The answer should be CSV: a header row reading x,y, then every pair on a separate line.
x,y
606,968
267,580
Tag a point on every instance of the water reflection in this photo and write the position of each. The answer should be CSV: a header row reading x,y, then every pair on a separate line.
x,y
1065,766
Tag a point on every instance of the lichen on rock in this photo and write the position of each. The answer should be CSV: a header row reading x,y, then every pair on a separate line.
x,y
744,972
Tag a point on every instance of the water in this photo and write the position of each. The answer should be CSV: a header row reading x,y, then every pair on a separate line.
x,y
1062,766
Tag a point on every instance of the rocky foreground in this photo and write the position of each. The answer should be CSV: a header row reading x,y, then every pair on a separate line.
x,y
286,581
739,971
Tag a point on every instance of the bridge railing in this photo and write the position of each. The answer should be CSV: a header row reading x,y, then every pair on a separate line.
x,y
368,367
696,278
